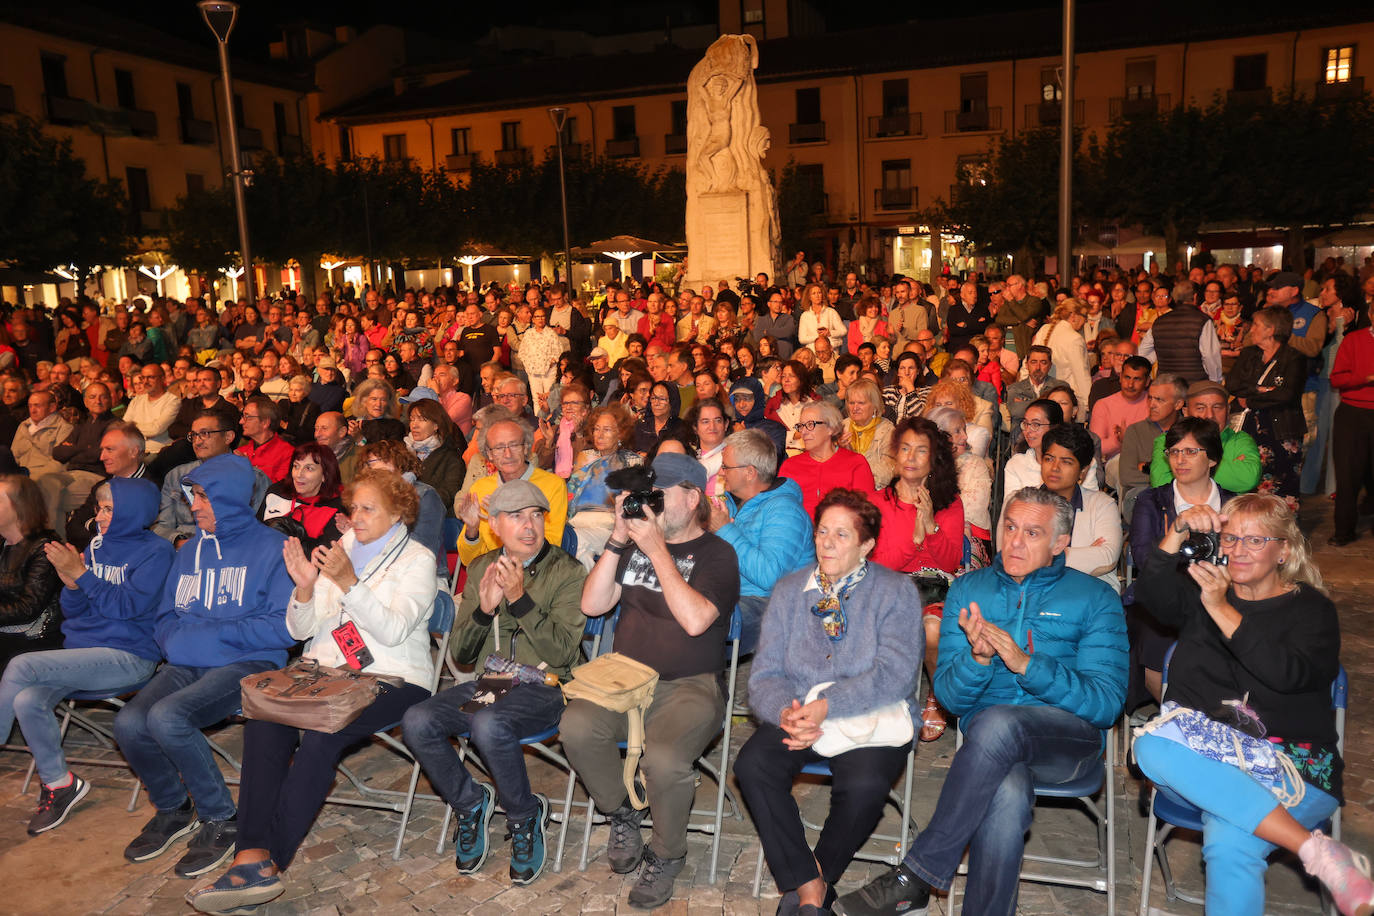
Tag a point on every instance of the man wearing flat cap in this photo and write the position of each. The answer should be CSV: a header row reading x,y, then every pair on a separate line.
x,y
677,586
521,602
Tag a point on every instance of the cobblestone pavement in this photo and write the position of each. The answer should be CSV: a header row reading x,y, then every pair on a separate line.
x,y
346,865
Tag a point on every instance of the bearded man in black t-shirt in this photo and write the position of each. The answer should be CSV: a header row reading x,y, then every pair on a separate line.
x,y
677,586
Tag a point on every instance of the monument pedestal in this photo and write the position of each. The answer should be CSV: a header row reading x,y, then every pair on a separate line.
x,y
723,233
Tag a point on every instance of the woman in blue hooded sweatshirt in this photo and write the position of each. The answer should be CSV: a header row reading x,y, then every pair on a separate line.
x,y
749,403
108,605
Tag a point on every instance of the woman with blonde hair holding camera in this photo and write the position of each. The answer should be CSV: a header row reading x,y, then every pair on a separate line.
x,y
1258,648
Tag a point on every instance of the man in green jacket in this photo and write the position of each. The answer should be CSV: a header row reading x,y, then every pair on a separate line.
x,y
1021,313
523,602
1239,470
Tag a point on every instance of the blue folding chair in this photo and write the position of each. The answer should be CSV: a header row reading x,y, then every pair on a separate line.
x,y
540,744
1098,780
703,820
1174,812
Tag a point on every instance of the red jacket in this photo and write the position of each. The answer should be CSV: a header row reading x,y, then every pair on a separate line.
x,y
273,457
1353,367
943,549
843,469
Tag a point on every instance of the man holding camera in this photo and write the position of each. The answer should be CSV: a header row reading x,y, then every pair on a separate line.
x,y
676,585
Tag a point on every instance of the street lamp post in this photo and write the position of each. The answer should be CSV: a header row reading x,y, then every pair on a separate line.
x,y
559,117
220,16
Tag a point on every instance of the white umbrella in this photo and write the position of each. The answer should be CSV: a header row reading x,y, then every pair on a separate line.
x,y
1141,245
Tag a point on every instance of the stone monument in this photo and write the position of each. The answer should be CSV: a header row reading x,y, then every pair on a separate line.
x,y
732,211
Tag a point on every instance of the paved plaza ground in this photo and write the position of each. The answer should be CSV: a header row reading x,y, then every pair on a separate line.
x,y
346,865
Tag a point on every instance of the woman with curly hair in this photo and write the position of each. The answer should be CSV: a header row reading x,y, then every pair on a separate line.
x,y
610,429
950,393
391,455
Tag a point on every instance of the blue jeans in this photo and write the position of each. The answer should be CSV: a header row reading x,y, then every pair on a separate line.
x,y
751,608
159,731
35,682
987,800
1233,804
1314,465
495,731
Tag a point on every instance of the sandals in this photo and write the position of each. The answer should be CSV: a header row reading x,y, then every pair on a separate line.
x,y
242,886
932,720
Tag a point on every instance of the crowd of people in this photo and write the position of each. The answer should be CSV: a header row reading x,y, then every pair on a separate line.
x,y
192,494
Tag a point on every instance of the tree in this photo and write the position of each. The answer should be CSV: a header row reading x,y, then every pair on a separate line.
x,y
1159,171
1012,203
54,213
801,206
1297,163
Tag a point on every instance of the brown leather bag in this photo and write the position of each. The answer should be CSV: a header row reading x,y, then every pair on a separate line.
x,y
306,694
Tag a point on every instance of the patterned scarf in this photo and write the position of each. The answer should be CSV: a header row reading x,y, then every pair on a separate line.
x,y
830,607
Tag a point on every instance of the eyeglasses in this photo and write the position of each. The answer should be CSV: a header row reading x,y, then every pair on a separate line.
x,y
1251,541
658,399
508,396
734,467
1180,451
808,425
567,404
196,435
511,447
1035,424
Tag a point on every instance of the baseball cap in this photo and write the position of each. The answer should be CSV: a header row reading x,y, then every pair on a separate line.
x,y
741,388
420,393
1285,278
326,362
672,469
598,352
515,495
1208,387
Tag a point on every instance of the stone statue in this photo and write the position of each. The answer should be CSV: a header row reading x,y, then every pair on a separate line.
x,y
732,211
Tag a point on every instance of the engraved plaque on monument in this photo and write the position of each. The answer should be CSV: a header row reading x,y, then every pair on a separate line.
x,y
726,233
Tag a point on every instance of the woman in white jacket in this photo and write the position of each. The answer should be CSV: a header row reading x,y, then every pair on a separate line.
x,y
375,584
1064,336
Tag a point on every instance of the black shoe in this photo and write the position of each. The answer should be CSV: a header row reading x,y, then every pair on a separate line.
x,y
1340,540
655,885
626,848
55,804
788,905
165,828
210,848
891,893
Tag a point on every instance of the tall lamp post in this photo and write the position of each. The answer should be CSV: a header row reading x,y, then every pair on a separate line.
x,y
559,117
220,16
1066,147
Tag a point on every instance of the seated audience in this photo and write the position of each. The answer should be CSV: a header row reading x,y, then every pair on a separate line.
x,y
30,613
1095,547
867,431
306,504
508,446
824,465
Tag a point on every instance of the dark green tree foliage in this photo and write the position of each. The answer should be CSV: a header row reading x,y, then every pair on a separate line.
x,y
1012,204
202,231
801,207
1160,172
54,214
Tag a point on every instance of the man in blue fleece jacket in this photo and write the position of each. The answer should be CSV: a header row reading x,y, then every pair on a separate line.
x,y
108,608
1035,665
764,521
222,617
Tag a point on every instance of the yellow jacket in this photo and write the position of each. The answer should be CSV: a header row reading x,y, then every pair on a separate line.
x,y
551,485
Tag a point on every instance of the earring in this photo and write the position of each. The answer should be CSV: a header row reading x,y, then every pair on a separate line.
x,y
1283,561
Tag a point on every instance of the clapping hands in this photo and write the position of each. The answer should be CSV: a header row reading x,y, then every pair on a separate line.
x,y
987,640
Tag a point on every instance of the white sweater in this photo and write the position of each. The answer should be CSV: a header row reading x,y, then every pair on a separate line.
x,y
390,605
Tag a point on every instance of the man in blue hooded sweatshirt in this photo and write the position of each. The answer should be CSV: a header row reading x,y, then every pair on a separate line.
x,y
109,605
222,617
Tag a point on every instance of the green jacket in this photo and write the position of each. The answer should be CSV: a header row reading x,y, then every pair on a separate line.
x,y
1239,470
1014,315
546,623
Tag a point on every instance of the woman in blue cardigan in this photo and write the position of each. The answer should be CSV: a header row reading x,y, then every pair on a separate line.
x,y
852,629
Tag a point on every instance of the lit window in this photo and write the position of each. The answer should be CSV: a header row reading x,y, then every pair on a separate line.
x,y
1339,63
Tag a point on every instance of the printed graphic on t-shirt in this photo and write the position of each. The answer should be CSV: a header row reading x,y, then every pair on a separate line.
x,y
640,571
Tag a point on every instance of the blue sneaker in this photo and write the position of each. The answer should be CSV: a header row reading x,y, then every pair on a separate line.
x,y
527,850
470,839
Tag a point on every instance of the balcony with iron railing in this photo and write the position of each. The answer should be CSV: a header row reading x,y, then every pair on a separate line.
x,y
806,133
674,144
1047,114
1250,97
6,99
197,132
895,125
1130,106
460,162
978,120
622,147
290,144
509,158
894,199
250,139
1352,88
64,110
143,123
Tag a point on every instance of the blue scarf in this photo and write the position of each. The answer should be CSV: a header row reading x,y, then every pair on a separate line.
x,y
363,554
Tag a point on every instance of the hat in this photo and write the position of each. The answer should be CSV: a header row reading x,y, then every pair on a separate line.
x,y
741,387
1208,387
514,495
611,319
1285,278
326,362
420,394
599,352
672,469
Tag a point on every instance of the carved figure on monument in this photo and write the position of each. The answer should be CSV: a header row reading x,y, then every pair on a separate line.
x,y
732,212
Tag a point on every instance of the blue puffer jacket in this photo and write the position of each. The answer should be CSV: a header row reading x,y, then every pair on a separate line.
x,y
771,535
225,598
1079,651
116,599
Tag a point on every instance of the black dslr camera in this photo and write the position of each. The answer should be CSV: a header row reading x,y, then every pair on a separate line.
x,y
1203,547
637,483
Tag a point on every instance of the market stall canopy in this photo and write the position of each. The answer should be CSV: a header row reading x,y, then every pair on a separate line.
x,y
1347,238
1141,245
625,244
1092,249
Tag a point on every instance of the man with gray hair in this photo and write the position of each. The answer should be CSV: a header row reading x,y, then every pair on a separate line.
x,y
1184,341
763,518
1035,665
507,444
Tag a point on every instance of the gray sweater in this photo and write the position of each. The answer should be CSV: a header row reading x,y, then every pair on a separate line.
x,y
878,662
